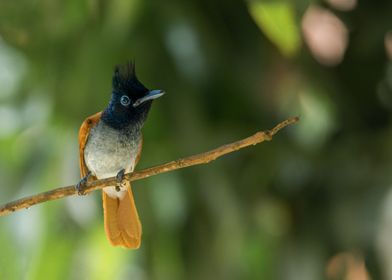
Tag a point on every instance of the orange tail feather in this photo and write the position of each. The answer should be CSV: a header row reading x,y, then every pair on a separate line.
x,y
122,224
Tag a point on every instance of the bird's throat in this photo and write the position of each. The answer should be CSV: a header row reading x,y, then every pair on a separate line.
x,y
123,118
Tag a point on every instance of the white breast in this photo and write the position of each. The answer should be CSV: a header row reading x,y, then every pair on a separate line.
x,y
108,151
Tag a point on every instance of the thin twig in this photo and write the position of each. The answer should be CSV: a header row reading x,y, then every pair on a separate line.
x,y
201,158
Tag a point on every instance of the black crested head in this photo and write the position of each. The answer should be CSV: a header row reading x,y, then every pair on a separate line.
x,y
130,101
126,82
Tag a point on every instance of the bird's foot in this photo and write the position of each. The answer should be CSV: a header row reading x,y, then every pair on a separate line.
x,y
82,184
120,180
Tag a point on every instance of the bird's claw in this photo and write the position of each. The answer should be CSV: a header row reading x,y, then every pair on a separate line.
x,y
82,184
120,179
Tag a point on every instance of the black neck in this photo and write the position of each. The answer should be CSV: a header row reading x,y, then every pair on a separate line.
x,y
119,117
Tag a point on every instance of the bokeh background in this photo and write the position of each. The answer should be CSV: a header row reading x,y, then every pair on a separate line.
x,y
315,203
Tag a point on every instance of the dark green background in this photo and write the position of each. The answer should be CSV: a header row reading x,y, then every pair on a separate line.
x,y
279,210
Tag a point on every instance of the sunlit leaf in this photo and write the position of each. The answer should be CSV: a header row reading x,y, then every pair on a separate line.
x,y
277,20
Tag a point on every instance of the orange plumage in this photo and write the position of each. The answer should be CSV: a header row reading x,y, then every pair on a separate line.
x,y
122,224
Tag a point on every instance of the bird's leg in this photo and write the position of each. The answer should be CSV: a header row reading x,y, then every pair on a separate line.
x,y
120,179
82,183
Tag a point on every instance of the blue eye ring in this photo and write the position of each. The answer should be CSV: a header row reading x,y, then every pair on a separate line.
x,y
125,100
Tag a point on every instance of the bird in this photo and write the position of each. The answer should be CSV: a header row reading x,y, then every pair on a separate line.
x,y
110,144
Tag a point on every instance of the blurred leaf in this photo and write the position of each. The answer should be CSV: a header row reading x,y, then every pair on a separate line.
x,y
277,21
53,261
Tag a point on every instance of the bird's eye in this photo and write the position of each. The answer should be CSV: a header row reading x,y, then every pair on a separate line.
x,y
125,101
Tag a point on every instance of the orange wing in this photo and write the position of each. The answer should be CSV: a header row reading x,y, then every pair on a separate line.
x,y
84,131
139,152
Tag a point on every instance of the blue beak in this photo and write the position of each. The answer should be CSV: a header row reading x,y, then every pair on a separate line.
x,y
152,94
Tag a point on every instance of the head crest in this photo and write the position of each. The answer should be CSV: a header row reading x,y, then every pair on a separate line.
x,y
124,77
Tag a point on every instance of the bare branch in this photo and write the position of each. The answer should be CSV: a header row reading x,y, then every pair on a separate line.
x,y
201,158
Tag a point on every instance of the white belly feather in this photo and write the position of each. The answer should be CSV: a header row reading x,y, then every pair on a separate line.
x,y
108,151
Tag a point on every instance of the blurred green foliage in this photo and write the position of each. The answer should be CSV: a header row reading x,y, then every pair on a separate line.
x,y
277,20
279,210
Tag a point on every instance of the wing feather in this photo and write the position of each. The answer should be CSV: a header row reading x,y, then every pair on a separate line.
x,y
84,132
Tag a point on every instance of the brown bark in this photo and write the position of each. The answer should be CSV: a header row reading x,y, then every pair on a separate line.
x,y
201,158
